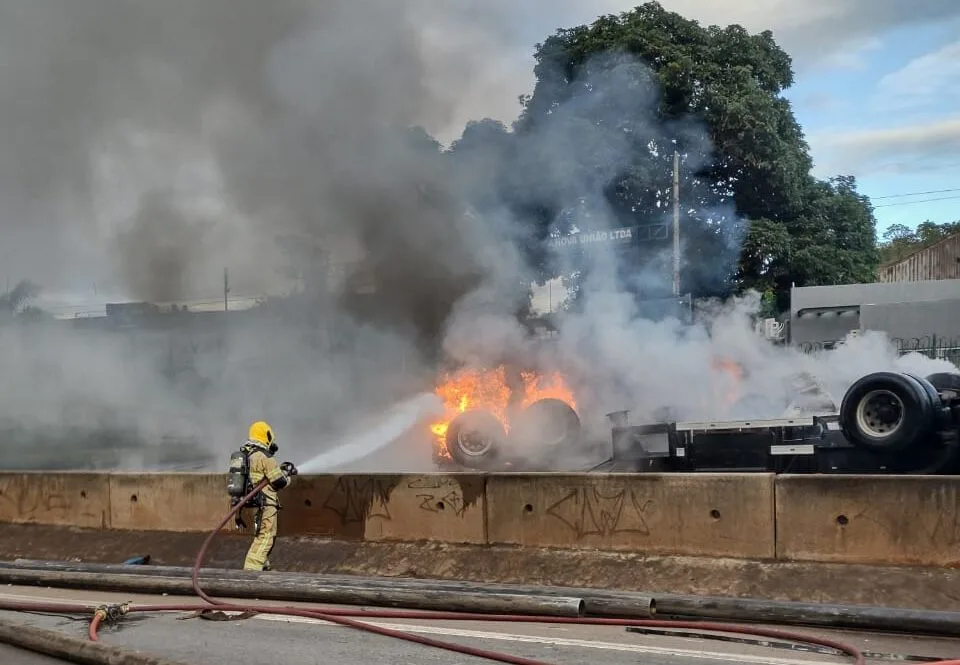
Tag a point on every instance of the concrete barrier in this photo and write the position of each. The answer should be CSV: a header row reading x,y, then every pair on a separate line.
x,y
698,514
869,519
61,498
348,507
891,520
168,501
383,507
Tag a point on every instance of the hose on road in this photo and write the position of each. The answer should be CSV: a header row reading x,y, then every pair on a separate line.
x,y
341,617
348,617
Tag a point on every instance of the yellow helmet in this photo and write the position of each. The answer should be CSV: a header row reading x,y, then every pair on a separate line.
x,y
261,432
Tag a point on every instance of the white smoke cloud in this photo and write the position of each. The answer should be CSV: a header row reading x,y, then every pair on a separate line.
x,y
147,146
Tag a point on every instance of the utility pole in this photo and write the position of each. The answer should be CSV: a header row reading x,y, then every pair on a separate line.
x,y
676,223
226,289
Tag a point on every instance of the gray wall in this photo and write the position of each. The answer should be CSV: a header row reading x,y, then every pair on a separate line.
x,y
918,314
915,324
880,293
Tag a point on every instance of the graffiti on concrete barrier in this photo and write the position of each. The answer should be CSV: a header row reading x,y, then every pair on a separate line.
x,y
355,499
27,503
46,500
590,511
946,529
438,494
932,526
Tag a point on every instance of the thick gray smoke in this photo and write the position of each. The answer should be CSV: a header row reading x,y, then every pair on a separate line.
x,y
147,146
227,124
615,355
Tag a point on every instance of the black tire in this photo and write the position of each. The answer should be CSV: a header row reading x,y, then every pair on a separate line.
x,y
941,414
942,457
474,439
547,423
945,381
887,412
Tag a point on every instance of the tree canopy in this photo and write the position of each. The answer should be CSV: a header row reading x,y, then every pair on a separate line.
x,y
16,302
752,215
900,240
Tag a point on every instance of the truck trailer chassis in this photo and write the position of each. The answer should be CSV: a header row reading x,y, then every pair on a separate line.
x,y
887,423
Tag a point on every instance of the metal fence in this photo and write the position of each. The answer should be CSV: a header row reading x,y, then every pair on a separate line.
x,y
932,346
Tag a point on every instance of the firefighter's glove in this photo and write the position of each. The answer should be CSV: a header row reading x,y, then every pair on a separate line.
x,y
289,469
239,523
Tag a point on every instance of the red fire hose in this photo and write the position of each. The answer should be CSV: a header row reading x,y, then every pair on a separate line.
x,y
346,617
341,617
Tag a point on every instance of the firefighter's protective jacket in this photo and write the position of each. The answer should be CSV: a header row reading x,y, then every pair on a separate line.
x,y
263,466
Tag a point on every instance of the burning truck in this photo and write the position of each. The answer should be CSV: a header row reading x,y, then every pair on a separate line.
x,y
887,422
503,417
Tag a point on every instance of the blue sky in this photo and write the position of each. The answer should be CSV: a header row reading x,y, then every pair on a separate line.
x,y
877,86
877,91
871,114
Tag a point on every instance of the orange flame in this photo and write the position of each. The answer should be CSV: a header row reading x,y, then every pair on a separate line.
x,y
728,377
489,390
543,386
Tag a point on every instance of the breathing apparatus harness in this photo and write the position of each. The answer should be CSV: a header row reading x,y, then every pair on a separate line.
x,y
239,483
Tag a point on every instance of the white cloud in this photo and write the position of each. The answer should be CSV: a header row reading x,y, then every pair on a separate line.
x,y
817,34
906,148
854,56
932,80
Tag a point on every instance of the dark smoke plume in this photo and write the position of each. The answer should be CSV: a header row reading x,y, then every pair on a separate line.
x,y
147,145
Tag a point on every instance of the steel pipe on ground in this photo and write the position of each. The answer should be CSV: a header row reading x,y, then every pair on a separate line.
x,y
72,650
315,591
597,602
862,617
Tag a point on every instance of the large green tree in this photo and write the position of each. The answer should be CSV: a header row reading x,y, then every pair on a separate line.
x,y
752,215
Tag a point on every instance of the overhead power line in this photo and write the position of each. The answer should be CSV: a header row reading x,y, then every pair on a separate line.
x,y
906,203
900,196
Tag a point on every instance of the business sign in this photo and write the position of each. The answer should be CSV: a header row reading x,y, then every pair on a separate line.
x,y
621,235
625,235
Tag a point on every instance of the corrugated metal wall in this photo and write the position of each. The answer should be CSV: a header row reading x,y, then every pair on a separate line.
x,y
939,261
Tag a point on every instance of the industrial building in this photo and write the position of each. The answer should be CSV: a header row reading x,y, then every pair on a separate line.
x,y
919,316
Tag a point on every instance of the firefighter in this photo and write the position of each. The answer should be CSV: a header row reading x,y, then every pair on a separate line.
x,y
260,449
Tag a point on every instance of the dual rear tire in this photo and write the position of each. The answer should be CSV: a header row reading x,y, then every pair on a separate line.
x,y
478,440
889,413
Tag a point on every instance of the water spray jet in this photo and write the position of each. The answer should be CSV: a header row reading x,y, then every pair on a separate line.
x,y
395,423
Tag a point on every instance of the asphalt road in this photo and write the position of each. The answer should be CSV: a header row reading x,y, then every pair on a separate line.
x,y
273,639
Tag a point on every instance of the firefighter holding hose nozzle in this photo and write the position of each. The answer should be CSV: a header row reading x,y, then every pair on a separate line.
x,y
248,467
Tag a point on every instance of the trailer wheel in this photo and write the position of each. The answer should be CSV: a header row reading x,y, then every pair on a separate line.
x,y
941,413
547,423
474,439
945,381
887,412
